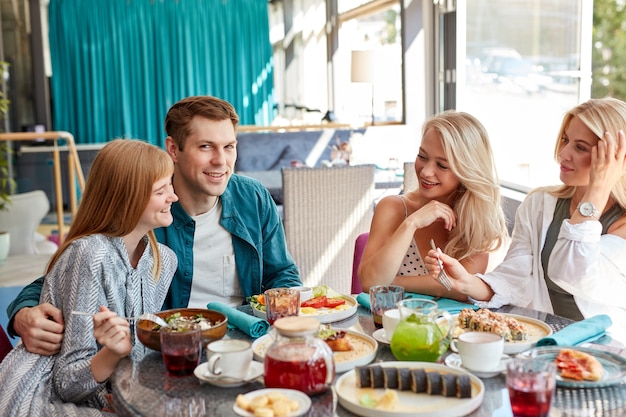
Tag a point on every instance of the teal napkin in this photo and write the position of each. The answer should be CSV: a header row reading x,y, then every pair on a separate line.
x,y
250,325
447,304
582,331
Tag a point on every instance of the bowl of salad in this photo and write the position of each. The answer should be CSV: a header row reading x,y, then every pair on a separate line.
x,y
212,323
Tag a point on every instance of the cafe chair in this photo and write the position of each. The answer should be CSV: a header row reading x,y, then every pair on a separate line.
x,y
22,218
5,344
359,245
324,211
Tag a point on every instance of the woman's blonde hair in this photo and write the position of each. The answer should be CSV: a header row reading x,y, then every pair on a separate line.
x,y
480,226
600,115
117,191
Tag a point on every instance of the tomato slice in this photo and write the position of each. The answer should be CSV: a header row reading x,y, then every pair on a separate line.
x,y
315,302
334,302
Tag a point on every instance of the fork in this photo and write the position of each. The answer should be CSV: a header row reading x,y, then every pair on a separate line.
x,y
442,277
145,316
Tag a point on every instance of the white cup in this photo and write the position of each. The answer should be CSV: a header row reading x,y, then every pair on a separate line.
x,y
390,319
305,293
229,358
480,351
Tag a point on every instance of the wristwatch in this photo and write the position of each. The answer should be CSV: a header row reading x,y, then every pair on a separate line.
x,y
587,209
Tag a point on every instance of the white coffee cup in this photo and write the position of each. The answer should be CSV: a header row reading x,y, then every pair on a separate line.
x,y
390,319
480,351
229,358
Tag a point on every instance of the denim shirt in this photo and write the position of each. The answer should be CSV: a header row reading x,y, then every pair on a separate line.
x,y
261,256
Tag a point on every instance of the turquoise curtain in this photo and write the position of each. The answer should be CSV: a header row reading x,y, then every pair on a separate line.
x,y
118,65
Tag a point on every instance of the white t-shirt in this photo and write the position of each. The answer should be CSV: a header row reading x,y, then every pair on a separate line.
x,y
214,273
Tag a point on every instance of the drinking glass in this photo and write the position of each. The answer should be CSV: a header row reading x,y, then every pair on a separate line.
x,y
531,384
383,298
281,302
181,350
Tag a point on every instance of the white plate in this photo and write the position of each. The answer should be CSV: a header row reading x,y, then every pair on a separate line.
x,y
410,404
613,365
254,371
365,348
381,337
537,330
302,398
453,360
325,315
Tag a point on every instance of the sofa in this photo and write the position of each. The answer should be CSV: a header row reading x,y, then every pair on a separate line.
x,y
271,151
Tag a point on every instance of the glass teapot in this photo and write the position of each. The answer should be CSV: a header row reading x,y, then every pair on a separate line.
x,y
298,358
423,332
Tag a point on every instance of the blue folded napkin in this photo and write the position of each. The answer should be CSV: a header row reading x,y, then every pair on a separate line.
x,y
250,325
446,304
582,331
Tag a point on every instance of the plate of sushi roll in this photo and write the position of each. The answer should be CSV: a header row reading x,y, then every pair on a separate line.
x,y
408,389
520,333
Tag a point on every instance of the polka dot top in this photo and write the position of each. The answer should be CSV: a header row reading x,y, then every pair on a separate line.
x,y
412,264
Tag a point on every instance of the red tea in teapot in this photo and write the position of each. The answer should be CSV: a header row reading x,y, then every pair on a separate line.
x,y
303,370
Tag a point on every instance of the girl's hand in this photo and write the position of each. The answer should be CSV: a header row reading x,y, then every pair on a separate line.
x,y
112,332
432,212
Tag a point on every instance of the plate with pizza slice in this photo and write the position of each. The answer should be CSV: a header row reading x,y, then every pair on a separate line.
x,y
579,367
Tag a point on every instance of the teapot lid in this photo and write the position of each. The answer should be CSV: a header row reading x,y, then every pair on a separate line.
x,y
296,326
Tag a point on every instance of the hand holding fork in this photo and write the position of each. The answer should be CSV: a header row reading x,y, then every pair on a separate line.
x,y
442,277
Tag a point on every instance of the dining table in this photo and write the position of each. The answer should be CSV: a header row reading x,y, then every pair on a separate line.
x,y
143,388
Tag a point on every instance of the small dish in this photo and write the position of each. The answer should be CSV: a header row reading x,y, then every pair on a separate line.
x,y
453,360
292,394
381,337
201,372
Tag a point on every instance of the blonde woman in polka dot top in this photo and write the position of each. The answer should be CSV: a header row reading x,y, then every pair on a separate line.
x,y
456,203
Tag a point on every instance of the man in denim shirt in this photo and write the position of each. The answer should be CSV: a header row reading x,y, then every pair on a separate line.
x,y
227,232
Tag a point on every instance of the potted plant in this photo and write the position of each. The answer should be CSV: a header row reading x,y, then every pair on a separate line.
x,y
7,183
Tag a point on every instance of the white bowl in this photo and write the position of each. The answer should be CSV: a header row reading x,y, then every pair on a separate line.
x,y
305,293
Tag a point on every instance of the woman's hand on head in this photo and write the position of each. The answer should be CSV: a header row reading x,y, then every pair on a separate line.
x,y
608,161
432,212
112,331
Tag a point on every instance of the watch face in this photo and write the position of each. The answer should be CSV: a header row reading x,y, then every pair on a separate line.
x,y
586,209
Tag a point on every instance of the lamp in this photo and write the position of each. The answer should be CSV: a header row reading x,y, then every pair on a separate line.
x,y
364,70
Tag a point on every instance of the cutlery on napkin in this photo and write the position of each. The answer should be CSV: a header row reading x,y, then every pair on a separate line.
x,y
446,304
582,331
250,325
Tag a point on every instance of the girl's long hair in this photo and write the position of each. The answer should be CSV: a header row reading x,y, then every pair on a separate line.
x,y
481,225
117,191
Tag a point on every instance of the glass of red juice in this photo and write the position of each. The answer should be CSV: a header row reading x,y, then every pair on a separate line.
x,y
181,349
531,384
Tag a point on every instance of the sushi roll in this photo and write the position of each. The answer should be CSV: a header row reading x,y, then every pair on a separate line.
x,y
363,376
377,376
449,385
434,385
391,377
404,379
418,380
464,386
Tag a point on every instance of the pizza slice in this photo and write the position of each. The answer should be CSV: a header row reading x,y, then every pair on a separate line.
x,y
577,365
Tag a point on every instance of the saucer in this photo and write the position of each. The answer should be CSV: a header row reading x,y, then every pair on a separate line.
x,y
381,336
202,373
453,360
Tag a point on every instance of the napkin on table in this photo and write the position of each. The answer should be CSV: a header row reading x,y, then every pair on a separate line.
x,y
250,325
447,304
582,331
